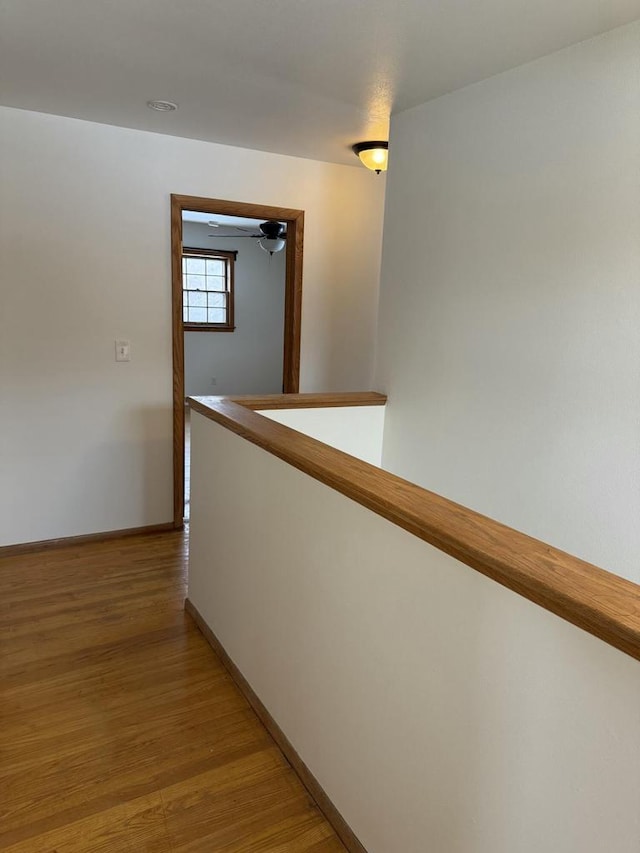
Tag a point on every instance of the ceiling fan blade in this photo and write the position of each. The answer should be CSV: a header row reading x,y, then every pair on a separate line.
x,y
214,224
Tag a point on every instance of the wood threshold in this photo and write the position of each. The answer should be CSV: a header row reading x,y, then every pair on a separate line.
x,y
598,601
70,541
317,793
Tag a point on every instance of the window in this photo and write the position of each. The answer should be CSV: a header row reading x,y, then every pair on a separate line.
x,y
207,290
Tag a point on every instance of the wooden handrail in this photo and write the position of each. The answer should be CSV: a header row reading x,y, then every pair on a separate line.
x,y
596,600
309,401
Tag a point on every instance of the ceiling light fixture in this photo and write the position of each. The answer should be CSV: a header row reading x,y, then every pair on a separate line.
x,y
162,106
373,155
274,236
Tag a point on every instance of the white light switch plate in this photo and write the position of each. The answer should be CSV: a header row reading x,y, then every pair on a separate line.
x,y
123,350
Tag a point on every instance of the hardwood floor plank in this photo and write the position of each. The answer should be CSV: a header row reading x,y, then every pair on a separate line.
x,y
120,730
287,832
132,826
231,808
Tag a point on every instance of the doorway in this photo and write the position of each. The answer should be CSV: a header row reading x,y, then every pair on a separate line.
x,y
294,223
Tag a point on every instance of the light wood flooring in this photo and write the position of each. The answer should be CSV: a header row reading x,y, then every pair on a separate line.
x,y
119,728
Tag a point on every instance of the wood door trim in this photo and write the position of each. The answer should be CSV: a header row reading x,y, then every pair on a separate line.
x,y
598,601
292,309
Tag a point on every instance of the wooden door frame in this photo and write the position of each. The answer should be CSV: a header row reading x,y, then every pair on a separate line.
x,y
292,310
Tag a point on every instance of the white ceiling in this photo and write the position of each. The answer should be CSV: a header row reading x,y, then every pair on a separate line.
x,y
301,77
227,226
221,219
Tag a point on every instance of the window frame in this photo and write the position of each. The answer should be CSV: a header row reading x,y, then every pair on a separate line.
x,y
222,254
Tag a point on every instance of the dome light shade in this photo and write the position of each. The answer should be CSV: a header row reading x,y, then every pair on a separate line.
x,y
373,155
272,245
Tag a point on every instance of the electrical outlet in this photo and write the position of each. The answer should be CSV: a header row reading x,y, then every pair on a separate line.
x,y
214,380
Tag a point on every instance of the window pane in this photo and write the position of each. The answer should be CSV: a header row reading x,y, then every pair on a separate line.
x,y
196,282
195,265
217,300
215,267
205,289
215,282
198,315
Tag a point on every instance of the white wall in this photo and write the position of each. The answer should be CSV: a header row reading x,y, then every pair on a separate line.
x,y
357,430
440,711
509,340
249,360
85,248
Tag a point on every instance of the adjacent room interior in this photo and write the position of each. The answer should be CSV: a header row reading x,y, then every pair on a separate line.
x,y
233,310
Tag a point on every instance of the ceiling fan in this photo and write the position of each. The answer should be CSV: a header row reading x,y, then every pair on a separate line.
x,y
272,239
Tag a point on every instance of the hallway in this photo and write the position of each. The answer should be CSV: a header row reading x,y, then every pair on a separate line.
x,y
120,729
